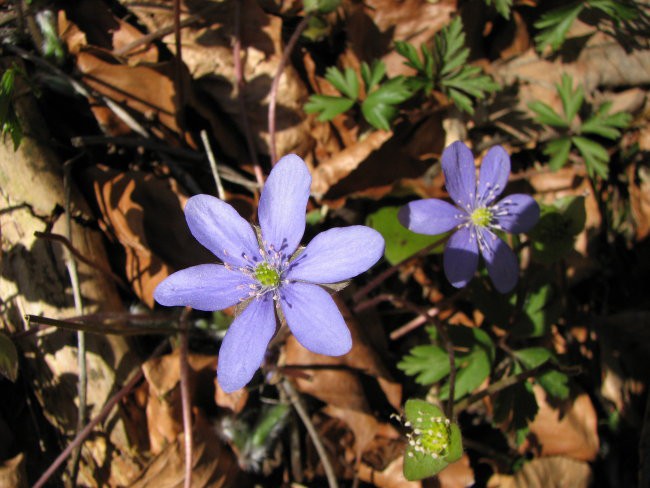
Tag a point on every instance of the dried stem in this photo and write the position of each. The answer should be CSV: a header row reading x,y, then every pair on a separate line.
x,y
381,277
185,396
81,436
241,86
296,402
221,193
273,95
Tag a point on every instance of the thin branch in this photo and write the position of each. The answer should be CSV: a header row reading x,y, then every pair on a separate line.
x,y
296,402
273,95
381,277
213,165
241,86
83,435
178,65
77,325
185,396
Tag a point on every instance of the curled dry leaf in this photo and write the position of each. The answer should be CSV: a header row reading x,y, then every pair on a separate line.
x,y
569,430
213,464
208,54
145,216
390,477
164,410
559,472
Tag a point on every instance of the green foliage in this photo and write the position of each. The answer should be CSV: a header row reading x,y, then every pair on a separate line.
x,y
554,235
8,358
554,382
8,117
502,6
400,242
321,6
379,107
514,407
445,68
540,309
473,359
434,443
554,25
573,131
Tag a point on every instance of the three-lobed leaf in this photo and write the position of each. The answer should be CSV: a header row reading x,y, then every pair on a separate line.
x,y
327,106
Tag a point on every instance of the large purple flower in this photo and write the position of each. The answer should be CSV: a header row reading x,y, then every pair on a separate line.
x,y
475,216
263,271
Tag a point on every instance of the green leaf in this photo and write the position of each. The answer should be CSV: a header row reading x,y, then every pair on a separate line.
x,y
540,309
430,364
410,53
321,6
555,383
595,156
616,9
372,75
532,357
603,124
502,6
401,243
574,211
555,24
571,99
546,115
347,83
554,235
327,106
8,358
379,106
558,150
440,439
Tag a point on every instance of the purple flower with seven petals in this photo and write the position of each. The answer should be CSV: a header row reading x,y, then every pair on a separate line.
x,y
475,217
264,271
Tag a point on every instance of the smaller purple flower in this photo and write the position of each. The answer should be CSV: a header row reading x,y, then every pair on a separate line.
x,y
264,270
475,217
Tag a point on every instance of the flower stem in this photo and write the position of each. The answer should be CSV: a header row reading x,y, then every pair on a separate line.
x,y
273,95
185,396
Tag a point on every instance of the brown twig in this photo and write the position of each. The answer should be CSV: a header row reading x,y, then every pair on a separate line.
x,y
241,86
381,277
77,325
81,436
178,65
185,395
59,238
273,94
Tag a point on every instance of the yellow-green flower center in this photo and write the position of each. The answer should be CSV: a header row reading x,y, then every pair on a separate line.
x,y
481,217
436,439
267,276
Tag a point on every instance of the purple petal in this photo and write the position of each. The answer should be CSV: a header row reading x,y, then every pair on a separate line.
x,y
242,350
219,227
283,203
501,263
460,259
494,173
207,287
430,216
338,254
516,213
460,174
315,320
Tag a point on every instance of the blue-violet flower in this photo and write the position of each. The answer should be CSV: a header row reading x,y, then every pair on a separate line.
x,y
475,216
262,270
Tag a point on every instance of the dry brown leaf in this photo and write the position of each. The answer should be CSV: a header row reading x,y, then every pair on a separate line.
x,y
144,213
208,54
213,464
344,162
458,474
164,411
548,472
390,477
13,473
569,430
639,188
363,425
235,401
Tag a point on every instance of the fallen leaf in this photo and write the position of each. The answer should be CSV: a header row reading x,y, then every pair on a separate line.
x,y
570,429
13,473
390,477
547,472
458,474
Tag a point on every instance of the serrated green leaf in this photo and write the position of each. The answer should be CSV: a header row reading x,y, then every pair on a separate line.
x,y
605,125
616,9
558,150
327,106
347,83
555,24
546,115
571,99
501,6
532,357
516,406
372,75
451,47
555,383
379,106
400,242
8,358
461,100
409,51
595,156
430,364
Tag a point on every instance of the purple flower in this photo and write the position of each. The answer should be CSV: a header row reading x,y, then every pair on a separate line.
x,y
263,271
475,217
